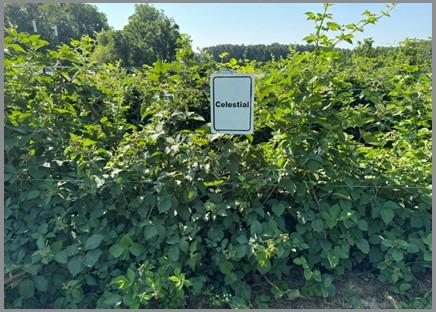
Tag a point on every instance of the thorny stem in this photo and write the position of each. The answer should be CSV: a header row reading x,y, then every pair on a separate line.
x,y
13,278
271,283
318,31
315,198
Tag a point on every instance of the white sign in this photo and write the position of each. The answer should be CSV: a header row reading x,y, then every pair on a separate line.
x,y
232,99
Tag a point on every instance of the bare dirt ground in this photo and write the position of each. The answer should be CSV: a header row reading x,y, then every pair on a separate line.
x,y
364,291
353,291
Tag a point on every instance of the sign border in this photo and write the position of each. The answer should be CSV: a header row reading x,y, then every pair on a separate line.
x,y
241,131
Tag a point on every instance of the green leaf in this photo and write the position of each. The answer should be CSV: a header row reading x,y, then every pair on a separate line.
x,y
93,242
278,208
333,26
310,15
397,255
412,248
404,287
416,222
290,187
76,293
223,55
242,239
17,47
325,245
230,278
363,245
333,259
26,289
387,215
309,39
88,142
33,194
62,111
197,283
226,267
40,242
343,196
299,260
241,251
164,203
92,257
308,274
61,257
184,245
120,281
427,240
126,241
173,253
116,250
190,194
75,265
334,211
345,204
43,228
390,205
150,231
362,225
214,183
427,256
317,275
41,283
317,225
57,246
256,227
145,111
137,249
131,275
293,293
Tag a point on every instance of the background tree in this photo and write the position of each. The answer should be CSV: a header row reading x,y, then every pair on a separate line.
x,y
149,36
417,51
72,20
111,47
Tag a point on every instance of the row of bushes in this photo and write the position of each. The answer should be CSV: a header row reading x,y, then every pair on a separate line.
x,y
117,195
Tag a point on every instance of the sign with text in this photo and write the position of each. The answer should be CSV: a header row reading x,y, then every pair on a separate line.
x,y
232,99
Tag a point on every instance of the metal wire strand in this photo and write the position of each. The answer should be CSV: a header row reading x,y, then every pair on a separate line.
x,y
334,185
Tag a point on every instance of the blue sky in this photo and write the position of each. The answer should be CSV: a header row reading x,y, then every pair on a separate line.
x,y
251,23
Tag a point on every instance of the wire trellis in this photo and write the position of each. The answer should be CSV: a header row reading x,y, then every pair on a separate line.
x,y
46,69
100,67
151,182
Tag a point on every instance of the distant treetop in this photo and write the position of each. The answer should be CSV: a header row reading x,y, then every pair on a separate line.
x,y
56,22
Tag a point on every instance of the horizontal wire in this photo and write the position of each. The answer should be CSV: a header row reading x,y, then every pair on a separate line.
x,y
102,67
201,91
392,185
78,180
168,71
143,181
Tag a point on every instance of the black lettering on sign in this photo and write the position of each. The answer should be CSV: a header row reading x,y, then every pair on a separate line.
x,y
238,104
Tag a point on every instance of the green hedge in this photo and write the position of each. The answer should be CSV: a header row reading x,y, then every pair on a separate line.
x,y
117,195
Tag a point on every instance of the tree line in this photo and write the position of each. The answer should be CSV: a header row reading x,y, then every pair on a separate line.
x,y
150,35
